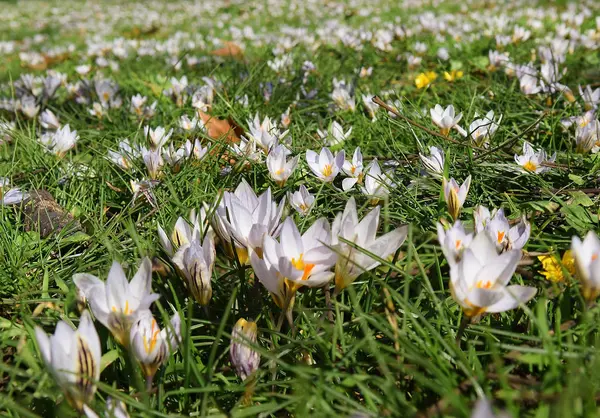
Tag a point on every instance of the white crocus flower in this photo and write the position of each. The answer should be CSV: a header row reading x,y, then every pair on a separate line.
x,y
505,237
182,234
158,137
125,154
73,358
479,281
455,196
10,196
265,134
249,218
174,157
114,409
353,241
587,264
482,130
453,241
590,97
445,119
377,183
335,134
481,217
302,200
61,141
137,104
529,85
343,96
434,164
116,301
154,162
587,137
324,165
188,124
295,261
247,150
48,120
354,170
194,149
532,161
195,263
150,345
370,106
280,169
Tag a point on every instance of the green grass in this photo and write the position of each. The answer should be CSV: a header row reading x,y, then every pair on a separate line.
x,y
391,349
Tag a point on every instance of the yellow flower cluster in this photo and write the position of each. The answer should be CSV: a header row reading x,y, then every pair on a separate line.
x,y
425,79
553,266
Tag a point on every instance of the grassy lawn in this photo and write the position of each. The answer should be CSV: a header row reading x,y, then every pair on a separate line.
x,y
191,144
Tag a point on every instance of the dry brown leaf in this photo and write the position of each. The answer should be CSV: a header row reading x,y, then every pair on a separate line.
x,y
229,50
219,128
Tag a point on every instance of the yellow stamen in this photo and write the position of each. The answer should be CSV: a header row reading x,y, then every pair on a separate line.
x,y
153,339
500,236
484,284
458,243
300,265
327,170
530,166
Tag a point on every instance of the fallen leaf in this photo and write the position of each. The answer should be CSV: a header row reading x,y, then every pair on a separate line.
x,y
219,128
229,50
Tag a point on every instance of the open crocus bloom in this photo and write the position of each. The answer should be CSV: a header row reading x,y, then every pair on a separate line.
x,y
483,129
295,261
150,345
301,200
265,134
503,235
324,165
453,241
353,241
532,161
445,119
249,218
73,358
280,168
587,264
479,281
116,301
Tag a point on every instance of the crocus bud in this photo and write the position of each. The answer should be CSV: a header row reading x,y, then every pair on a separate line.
x,y
243,357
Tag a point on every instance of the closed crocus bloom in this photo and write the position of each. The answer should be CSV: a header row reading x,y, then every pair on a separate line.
x,y
354,170
61,141
243,357
195,263
182,234
481,216
587,264
295,261
48,120
455,196
265,134
479,281
116,302
302,200
73,358
377,183
150,345
445,119
280,169
587,137
483,409
353,260
324,165
335,134
453,241
590,97
158,137
154,163
434,164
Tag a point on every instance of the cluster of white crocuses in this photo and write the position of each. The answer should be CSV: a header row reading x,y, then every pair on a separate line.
x,y
250,230
161,151
482,262
56,139
374,183
123,307
481,129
